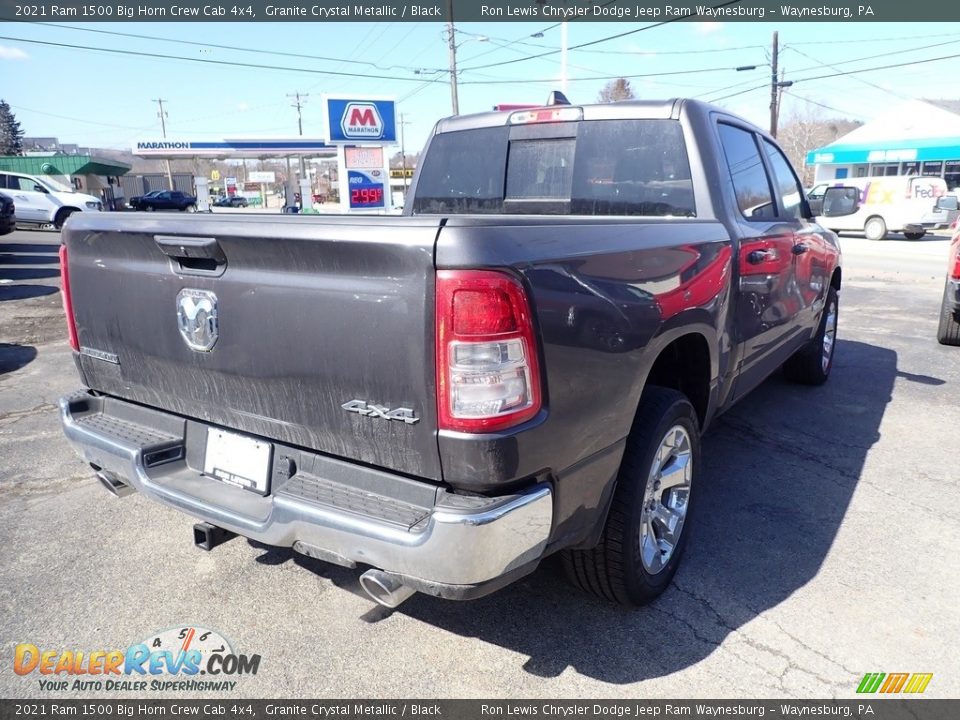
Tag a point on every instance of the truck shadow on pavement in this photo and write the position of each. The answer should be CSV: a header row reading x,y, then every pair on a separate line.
x,y
779,471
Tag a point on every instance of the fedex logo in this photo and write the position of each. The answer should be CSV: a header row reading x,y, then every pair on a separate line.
x,y
361,121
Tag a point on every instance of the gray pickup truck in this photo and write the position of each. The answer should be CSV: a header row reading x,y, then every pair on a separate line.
x,y
522,364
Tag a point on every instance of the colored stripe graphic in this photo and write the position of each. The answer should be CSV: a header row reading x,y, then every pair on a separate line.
x,y
912,683
870,683
918,682
895,682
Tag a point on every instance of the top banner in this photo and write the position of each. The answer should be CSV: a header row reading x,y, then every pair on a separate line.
x,y
321,11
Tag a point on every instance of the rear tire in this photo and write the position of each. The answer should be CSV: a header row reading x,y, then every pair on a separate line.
x,y
914,236
148,208
191,208
875,228
812,363
649,520
948,332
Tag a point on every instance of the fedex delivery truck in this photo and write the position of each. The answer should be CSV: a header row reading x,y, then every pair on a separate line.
x,y
907,204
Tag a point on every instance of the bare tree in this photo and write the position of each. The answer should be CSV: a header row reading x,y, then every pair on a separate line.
x,y
807,130
615,90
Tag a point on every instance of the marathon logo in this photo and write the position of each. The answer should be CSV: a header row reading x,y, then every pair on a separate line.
x,y
164,145
361,121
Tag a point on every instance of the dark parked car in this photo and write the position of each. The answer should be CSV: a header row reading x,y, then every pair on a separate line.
x,y
522,364
231,201
948,332
164,200
8,222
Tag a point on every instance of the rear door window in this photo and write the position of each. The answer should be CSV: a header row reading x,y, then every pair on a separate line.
x,y
750,182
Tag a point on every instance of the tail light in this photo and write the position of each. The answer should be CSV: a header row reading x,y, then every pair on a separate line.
x,y
68,300
487,371
955,264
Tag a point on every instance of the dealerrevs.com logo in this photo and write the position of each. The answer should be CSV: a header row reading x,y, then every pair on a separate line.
x,y
189,659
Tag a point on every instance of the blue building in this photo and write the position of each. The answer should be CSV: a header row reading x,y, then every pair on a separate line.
x,y
919,137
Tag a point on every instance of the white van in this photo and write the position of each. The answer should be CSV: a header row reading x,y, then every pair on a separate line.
x,y
43,201
906,204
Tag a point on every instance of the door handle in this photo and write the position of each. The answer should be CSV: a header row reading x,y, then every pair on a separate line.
x,y
755,257
800,248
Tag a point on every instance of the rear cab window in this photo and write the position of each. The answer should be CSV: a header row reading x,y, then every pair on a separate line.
x,y
591,167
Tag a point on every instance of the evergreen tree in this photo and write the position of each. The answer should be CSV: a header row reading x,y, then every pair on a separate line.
x,y
11,136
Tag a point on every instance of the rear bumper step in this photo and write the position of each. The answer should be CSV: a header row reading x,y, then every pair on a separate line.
x,y
408,528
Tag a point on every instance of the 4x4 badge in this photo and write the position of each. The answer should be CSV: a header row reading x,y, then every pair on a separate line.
x,y
361,407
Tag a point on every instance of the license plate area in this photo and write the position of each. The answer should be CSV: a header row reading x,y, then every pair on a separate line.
x,y
238,460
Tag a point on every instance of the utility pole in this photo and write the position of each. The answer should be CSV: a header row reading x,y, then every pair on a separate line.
x,y
777,84
403,155
298,105
163,127
774,81
452,44
563,56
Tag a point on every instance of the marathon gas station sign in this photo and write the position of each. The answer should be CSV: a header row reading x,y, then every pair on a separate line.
x,y
360,120
227,148
361,128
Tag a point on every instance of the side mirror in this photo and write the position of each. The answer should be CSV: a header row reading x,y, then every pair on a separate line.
x,y
948,202
840,201
40,189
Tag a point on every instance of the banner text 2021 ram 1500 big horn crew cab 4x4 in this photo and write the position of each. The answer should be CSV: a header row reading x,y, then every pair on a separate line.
x,y
520,365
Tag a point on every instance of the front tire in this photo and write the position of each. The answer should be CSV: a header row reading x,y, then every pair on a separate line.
x,y
875,228
948,332
62,216
648,524
148,208
811,364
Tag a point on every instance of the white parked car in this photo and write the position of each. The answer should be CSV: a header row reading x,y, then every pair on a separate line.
x,y
43,201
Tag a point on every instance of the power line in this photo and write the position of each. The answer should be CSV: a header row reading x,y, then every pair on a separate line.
x,y
669,73
834,66
80,120
208,61
234,48
820,104
601,40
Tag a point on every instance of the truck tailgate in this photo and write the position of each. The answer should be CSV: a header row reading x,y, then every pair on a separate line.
x,y
312,313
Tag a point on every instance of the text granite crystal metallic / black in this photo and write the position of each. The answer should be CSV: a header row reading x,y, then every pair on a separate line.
x,y
520,365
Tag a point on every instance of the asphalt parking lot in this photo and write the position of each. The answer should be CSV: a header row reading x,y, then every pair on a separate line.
x,y
827,544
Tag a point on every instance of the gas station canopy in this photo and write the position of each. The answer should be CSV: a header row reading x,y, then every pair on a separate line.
x,y
261,148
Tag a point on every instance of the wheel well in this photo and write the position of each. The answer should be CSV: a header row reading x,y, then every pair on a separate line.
x,y
835,280
65,209
684,365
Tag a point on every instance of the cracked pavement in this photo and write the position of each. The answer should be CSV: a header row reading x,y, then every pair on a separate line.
x,y
826,539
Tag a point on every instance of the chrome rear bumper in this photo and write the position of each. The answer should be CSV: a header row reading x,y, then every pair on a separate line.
x,y
413,529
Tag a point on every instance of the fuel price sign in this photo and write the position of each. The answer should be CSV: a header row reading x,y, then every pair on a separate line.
x,y
366,189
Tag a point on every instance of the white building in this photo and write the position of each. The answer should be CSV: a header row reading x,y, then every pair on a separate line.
x,y
919,137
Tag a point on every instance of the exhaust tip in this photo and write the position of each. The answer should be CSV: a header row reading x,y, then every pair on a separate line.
x,y
113,483
385,589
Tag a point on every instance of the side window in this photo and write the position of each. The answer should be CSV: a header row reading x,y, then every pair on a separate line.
x,y
3,181
23,183
749,177
785,182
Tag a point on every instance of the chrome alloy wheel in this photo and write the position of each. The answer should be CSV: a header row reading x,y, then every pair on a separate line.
x,y
666,499
829,336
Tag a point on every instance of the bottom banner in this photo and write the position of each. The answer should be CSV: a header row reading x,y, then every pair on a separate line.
x,y
482,709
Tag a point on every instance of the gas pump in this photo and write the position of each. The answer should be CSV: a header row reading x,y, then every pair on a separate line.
x,y
201,188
